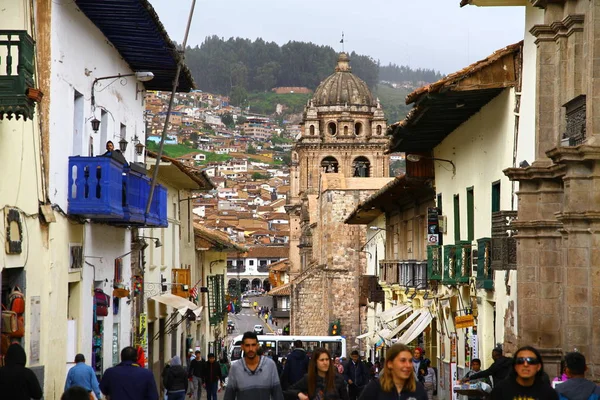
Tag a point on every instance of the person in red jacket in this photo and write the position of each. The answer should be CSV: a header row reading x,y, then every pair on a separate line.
x,y
211,376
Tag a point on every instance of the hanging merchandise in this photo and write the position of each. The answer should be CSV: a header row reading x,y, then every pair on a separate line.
x,y
102,302
16,300
9,321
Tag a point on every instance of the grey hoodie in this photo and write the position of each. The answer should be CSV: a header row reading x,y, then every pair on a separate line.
x,y
578,389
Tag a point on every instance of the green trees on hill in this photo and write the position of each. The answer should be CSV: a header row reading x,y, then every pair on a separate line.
x,y
237,66
403,73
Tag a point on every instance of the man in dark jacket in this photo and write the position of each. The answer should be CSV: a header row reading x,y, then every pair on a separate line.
x,y
16,381
195,373
127,380
211,376
499,369
295,367
356,375
576,387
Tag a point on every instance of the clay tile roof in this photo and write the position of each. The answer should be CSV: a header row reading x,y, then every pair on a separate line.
x,y
195,174
283,290
282,265
463,73
218,238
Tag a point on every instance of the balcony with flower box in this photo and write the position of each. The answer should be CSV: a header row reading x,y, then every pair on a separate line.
x,y
108,190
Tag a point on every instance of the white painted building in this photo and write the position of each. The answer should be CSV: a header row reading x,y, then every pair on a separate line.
x,y
65,254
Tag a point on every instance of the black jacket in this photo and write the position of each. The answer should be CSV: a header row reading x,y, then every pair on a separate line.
x,y
175,379
340,392
499,370
357,373
196,367
16,381
211,372
373,391
509,389
295,368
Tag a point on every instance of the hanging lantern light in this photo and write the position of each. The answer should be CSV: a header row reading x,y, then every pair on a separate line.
x,y
139,148
95,125
123,145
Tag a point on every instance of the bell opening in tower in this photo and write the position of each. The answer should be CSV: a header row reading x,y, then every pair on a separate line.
x,y
362,167
329,165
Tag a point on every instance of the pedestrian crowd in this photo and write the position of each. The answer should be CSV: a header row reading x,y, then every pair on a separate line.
x,y
403,375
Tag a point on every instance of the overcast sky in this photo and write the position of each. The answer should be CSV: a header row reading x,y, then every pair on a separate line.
x,y
434,34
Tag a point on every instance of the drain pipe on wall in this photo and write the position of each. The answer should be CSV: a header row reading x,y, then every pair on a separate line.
x,y
164,132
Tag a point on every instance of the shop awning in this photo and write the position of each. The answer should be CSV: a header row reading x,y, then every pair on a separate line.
x,y
406,323
178,303
394,312
364,335
417,327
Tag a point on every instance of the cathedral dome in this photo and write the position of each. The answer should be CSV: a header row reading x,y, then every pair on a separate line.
x,y
342,87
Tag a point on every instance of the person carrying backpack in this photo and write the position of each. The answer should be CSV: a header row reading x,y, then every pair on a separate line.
x,y
577,387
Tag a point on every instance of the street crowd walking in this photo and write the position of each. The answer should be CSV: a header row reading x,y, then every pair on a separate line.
x,y
403,375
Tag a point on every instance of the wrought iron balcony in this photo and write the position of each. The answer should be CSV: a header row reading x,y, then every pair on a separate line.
x,y
17,93
104,189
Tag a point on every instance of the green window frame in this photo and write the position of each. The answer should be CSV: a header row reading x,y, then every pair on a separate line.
x,y
470,214
456,218
496,196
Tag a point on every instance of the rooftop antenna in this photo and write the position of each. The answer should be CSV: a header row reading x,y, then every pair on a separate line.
x,y
342,42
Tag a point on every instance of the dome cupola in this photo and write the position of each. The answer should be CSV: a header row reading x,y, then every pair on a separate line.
x,y
343,87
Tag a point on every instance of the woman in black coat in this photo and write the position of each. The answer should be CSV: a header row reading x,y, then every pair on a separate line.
x,y
176,380
321,382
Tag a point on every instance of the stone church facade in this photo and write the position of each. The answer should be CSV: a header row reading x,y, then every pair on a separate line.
x,y
558,225
338,161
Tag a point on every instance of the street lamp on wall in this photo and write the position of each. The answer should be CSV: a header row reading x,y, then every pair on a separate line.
x,y
418,157
123,145
141,76
95,124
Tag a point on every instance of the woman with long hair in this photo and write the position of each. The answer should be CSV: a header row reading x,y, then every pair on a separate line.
x,y
322,381
397,380
527,379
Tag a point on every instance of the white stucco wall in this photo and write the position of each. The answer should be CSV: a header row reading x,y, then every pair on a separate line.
x,y
480,148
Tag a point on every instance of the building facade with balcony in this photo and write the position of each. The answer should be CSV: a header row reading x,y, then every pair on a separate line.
x,y
71,206
464,128
279,279
171,267
396,289
212,247
250,270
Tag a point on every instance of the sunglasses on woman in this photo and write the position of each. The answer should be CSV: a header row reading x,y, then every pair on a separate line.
x,y
528,360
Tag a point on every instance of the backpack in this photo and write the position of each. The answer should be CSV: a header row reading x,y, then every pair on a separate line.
x,y
16,300
102,301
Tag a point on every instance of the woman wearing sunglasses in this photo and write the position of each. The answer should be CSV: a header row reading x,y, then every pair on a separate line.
x,y
526,380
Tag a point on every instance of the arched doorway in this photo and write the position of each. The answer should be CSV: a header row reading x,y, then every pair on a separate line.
x,y
244,285
266,285
232,286
256,284
329,164
361,166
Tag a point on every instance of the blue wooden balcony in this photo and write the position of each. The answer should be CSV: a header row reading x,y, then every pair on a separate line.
x,y
104,189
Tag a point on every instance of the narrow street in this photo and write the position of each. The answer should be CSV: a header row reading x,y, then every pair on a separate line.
x,y
246,319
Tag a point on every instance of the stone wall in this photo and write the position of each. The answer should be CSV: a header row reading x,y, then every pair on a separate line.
x,y
329,290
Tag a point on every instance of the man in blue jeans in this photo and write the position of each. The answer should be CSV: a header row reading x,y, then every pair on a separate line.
x,y
211,376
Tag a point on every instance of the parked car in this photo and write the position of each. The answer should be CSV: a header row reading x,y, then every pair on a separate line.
x,y
259,330
246,304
